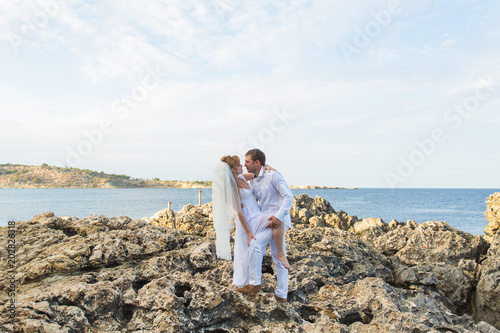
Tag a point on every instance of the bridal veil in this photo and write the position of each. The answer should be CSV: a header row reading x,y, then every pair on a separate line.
x,y
226,206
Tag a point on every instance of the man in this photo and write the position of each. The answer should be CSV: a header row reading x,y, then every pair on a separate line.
x,y
276,199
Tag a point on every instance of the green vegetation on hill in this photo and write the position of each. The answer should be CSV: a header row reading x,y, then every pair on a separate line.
x,y
45,176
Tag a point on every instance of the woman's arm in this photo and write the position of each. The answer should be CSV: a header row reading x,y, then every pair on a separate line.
x,y
250,176
246,176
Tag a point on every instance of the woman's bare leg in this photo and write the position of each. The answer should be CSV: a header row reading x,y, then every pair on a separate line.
x,y
279,235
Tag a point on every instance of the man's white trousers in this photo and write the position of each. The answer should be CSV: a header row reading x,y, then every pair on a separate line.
x,y
258,249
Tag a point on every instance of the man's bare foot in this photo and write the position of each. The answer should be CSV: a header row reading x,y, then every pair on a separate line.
x,y
284,261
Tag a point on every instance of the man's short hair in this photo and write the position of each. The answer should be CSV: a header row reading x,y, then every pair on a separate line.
x,y
257,155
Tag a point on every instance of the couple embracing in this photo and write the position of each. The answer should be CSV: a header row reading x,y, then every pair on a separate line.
x,y
234,200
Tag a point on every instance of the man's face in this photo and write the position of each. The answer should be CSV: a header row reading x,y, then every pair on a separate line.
x,y
252,166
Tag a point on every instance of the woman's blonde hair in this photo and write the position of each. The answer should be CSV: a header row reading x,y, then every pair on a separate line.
x,y
232,161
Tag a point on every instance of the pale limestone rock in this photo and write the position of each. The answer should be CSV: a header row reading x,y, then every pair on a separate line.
x,y
369,229
117,274
493,214
316,222
488,287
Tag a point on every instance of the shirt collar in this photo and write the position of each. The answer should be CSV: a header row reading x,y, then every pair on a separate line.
x,y
261,174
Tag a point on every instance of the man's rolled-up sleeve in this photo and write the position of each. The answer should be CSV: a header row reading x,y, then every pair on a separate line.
x,y
282,187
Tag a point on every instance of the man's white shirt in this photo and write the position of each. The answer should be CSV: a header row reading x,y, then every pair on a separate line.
x,y
274,195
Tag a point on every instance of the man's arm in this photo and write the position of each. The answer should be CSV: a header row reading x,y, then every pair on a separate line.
x,y
279,183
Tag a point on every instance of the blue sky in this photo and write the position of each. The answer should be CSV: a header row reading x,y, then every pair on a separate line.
x,y
359,94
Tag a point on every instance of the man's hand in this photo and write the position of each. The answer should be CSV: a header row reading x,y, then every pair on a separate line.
x,y
274,222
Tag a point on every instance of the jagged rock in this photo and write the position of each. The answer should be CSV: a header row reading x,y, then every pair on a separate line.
x,y
417,275
493,214
392,225
488,287
324,256
165,217
57,245
122,275
316,222
431,242
369,228
371,304
316,206
392,242
305,209
193,219
456,285
450,281
435,255
336,221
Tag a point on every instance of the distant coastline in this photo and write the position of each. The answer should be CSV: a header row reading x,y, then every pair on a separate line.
x,y
45,176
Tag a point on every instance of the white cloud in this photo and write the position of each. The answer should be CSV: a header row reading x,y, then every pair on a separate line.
x,y
337,122
226,66
449,42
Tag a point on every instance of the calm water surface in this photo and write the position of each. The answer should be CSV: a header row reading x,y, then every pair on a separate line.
x,y
462,208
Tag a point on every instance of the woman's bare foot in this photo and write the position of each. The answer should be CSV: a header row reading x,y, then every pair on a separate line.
x,y
284,261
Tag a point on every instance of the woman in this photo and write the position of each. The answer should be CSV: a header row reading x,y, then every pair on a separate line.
x,y
233,200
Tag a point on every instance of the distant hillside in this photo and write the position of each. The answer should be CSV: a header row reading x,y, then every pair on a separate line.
x,y
45,176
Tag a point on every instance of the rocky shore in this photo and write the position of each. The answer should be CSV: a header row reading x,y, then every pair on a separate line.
x,y
115,274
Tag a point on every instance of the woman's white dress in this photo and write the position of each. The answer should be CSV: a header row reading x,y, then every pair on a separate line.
x,y
256,221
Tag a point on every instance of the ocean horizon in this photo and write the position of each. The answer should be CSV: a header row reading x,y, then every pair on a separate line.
x,y
463,209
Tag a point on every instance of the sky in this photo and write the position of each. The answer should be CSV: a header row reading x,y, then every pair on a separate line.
x,y
369,93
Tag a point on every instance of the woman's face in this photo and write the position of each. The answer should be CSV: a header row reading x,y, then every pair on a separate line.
x,y
238,170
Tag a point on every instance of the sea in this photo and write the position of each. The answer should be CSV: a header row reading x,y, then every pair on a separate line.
x,y
463,209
